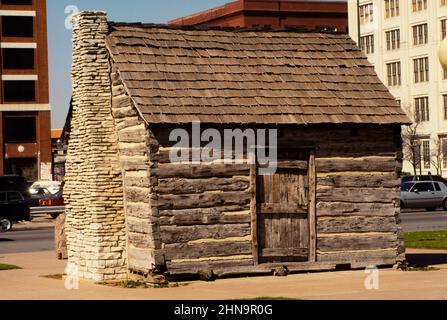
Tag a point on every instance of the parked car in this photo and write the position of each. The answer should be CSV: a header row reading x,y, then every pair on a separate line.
x,y
37,195
53,204
423,194
427,177
15,183
52,186
13,208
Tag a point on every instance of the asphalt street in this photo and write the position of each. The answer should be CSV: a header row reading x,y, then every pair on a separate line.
x,y
27,241
424,221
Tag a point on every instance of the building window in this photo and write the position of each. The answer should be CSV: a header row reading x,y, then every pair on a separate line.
x,y
419,5
393,39
444,152
421,70
422,109
366,13
19,91
443,28
18,58
445,106
14,26
426,156
16,2
393,73
391,8
367,44
420,34
19,129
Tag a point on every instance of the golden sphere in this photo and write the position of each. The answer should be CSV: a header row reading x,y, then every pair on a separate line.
x,y
442,53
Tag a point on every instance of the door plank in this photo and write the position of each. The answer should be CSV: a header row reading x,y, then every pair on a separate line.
x,y
312,208
288,252
254,214
271,208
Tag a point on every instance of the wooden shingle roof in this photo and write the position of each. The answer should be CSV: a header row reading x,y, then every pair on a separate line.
x,y
184,74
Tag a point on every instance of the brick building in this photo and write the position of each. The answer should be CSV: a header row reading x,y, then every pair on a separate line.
x,y
25,112
315,15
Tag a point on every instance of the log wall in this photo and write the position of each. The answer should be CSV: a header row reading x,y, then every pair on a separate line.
x,y
204,209
134,146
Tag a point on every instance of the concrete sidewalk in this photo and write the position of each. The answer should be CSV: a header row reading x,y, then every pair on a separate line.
x,y
27,283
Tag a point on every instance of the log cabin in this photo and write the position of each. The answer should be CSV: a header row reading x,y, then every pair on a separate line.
x,y
332,201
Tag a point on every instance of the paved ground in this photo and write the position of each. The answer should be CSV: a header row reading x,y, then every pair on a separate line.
x,y
28,283
424,221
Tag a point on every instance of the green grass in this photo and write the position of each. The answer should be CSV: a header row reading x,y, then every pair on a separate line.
x,y
8,267
426,239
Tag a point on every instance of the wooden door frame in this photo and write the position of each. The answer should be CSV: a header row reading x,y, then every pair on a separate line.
x,y
312,176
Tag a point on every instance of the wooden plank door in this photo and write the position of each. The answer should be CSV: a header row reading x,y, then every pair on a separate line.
x,y
282,204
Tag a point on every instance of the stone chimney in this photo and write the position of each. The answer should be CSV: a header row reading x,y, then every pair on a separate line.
x,y
95,222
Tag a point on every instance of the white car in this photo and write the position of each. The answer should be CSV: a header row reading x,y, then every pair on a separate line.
x,y
52,186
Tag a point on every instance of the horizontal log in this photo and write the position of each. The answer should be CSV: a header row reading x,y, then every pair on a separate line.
x,y
164,156
266,208
244,267
188,186
357,242
204,200
371,148
359,180
356,224
378,257
201,171
206,216
206,250
368,164
176,234
355,194
289,164
355,208
192,267
284,252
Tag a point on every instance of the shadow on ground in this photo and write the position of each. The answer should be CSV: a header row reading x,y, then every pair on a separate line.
x,y
426,259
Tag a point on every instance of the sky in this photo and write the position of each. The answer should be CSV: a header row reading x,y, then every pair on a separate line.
x,y
59,37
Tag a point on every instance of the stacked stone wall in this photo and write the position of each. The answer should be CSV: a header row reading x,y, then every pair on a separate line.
x,y
95,221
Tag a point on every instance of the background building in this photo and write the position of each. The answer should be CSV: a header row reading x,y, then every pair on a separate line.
x,y
330,16
59,151
25,120
401,39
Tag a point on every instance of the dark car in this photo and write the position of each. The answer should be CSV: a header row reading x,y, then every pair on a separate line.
x,y
15,183
427,177
13,208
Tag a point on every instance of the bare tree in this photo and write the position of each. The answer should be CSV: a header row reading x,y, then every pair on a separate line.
x,y
411,141
437,156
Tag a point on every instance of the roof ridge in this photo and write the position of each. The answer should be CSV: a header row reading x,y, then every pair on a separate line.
x,y
295,29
